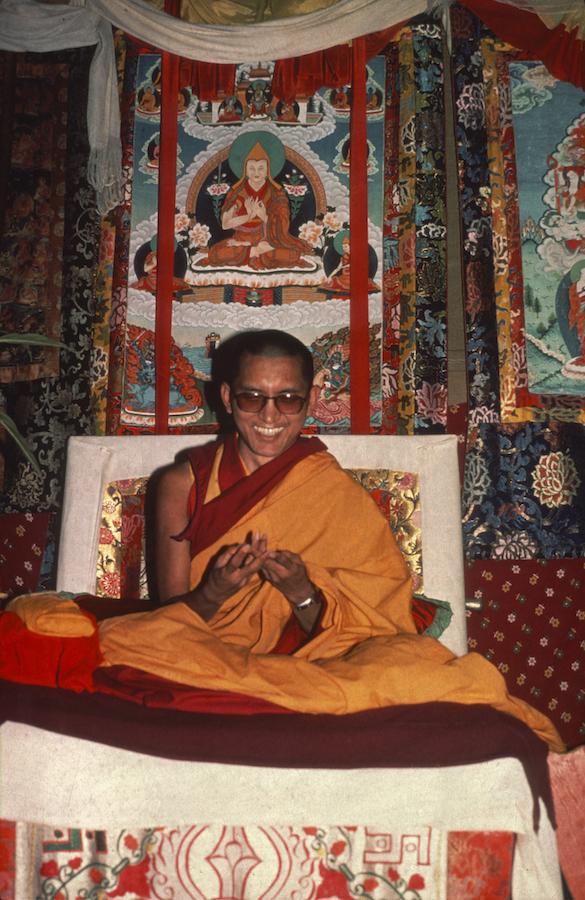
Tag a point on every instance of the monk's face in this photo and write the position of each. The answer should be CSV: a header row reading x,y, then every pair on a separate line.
x,y
256,173
269,432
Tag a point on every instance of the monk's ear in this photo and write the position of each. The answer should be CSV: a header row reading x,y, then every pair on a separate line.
x,y
225,395
313,395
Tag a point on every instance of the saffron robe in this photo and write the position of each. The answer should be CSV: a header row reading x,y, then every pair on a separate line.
x,y
367,654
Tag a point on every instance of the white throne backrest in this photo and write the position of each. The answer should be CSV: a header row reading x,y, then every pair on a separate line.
x,y
94,462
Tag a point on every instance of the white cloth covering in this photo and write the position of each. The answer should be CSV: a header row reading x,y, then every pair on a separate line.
x,y
266,40
57,780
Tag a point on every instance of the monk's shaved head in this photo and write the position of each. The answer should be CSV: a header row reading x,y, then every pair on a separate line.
x,y
266,343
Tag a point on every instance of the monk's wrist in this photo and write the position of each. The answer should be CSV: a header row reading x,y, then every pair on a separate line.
x,y
311,597
203,603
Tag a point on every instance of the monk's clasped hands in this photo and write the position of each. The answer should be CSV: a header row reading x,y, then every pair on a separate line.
x,y
233,568
287,572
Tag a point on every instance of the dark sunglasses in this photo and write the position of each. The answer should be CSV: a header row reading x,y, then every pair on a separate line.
x,y
254,402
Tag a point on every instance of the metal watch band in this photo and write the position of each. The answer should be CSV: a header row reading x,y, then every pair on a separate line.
x,y
306,602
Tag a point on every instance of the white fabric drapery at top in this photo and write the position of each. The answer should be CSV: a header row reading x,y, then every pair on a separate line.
x,y
276,39
30,25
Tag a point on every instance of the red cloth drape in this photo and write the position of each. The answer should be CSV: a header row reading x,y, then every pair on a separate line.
x,y
31,658
303,75
561,50
207,80
295,77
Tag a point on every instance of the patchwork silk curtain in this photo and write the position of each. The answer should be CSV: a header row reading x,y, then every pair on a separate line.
x,y
523,494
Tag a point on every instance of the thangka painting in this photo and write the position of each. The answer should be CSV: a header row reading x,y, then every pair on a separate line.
x,y
549,129
261,236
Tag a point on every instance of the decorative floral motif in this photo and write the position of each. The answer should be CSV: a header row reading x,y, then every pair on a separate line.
x,y
311,232
398,496
471,107
121,547
517,545
432,402
555,479
22,541
332,222
480,865
199,235
96,873
521,497
190,234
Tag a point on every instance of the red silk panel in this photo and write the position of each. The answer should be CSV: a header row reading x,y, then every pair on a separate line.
x,y
208,80
303,75
561,50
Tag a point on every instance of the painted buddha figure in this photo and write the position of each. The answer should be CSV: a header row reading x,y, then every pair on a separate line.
x,y
257,209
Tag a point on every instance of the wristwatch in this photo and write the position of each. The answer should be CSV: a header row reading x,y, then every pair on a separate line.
x,y
308,602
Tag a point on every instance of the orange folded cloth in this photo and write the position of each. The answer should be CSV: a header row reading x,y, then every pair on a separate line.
x,y
51,614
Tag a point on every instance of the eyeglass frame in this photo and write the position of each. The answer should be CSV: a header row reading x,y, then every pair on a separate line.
x,y
266,397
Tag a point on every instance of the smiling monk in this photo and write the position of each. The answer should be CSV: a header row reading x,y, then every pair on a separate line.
x,y
279,577
268,394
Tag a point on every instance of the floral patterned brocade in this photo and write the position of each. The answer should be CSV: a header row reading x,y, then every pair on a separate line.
x,y
121,570
397,494
48,410
524,494
33,188
22,544
302,862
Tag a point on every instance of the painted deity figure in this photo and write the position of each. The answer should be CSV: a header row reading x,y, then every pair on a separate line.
x,y
147,282
287,112
577,312
339,279
257,209
259,105
229,110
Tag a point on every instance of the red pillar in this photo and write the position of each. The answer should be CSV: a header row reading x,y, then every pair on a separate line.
x,y
359,340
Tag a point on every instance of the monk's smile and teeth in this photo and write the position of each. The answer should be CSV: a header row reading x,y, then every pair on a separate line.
x,y
267,432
